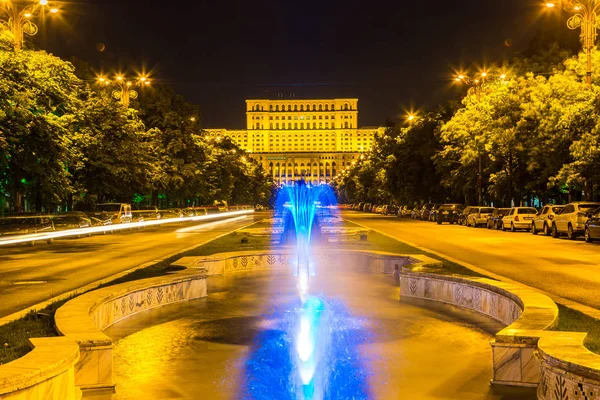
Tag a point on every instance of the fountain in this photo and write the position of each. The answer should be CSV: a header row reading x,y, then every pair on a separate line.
x,y
315,332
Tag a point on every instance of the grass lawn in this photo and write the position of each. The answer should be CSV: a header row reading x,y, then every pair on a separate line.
x,y
570,320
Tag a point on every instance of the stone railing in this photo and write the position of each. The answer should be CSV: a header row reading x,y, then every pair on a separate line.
x,y
371,261
85,317
45,373
526,314
567,369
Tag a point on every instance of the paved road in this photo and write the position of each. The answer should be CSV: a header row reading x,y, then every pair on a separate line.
x,y
72,263
570,269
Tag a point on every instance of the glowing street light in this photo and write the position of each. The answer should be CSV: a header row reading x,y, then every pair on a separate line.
x,y
586,18
18,19
124,91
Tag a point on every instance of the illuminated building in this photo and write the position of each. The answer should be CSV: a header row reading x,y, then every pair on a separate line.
x,y
314,139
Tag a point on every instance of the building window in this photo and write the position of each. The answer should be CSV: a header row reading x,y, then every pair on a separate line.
x,y
295,107
289,125
346,125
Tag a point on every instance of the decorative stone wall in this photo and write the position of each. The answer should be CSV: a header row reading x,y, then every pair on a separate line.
x,y
371,261
525,313
45,373
568,371
85,317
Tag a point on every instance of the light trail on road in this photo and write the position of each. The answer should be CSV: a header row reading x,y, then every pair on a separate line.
x,y
114,228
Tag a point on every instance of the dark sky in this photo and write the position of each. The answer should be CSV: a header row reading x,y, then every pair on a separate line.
x,y
217,53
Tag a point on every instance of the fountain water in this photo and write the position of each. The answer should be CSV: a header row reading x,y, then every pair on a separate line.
x,y
311,333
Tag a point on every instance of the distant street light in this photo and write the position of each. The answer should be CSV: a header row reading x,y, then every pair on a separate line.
x,y
586,18
18,18
478,83
125,87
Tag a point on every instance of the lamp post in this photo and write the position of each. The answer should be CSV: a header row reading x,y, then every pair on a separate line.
x,y
17,17
477,84
124,91
586,18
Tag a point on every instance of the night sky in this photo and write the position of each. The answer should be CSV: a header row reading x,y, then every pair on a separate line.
x,y
391,55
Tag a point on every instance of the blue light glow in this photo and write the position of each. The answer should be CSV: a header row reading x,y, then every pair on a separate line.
x,y
313,354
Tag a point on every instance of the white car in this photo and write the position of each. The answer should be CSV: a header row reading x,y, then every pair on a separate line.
x,y
543,221
571,221
478,216
519,218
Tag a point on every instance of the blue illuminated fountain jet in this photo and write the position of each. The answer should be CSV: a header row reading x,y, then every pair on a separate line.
x,y
304,203
311,354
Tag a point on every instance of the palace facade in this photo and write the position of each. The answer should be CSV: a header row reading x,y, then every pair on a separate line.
x,y
314,139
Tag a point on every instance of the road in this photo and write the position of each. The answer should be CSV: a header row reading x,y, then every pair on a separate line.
x,y
569,269
30,275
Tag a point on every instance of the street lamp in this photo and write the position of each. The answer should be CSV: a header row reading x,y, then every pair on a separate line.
x,y
124,91
478,83
18,18
586,18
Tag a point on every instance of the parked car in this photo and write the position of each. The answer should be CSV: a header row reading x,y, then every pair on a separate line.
x,y
389,209
592,227
378,210
424,212
495,219
519,218
478,216
433,213
543,221
71,220
449,213
23,225
406,211
360,207
147,213
571,221
367,207
171,213
462,217
113,213
414,214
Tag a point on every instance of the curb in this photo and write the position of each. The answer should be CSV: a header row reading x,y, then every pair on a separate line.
x,y
91,286
582,308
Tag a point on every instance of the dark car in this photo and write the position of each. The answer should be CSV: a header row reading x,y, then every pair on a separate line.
x,y
433,213
390,210
71,220
146,213
462,218
495,219
423,214
171,213
449,213
23,225
592,227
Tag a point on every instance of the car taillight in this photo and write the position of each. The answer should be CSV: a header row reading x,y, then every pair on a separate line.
x,y
517,218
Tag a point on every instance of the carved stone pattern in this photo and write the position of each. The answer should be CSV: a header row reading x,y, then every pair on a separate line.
x,y
271,259
494,304
235,263
123,306
282,259
543,386
560,388
457,291
412,285
149,296
244,262
131,302
427,289
159,295
477,296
